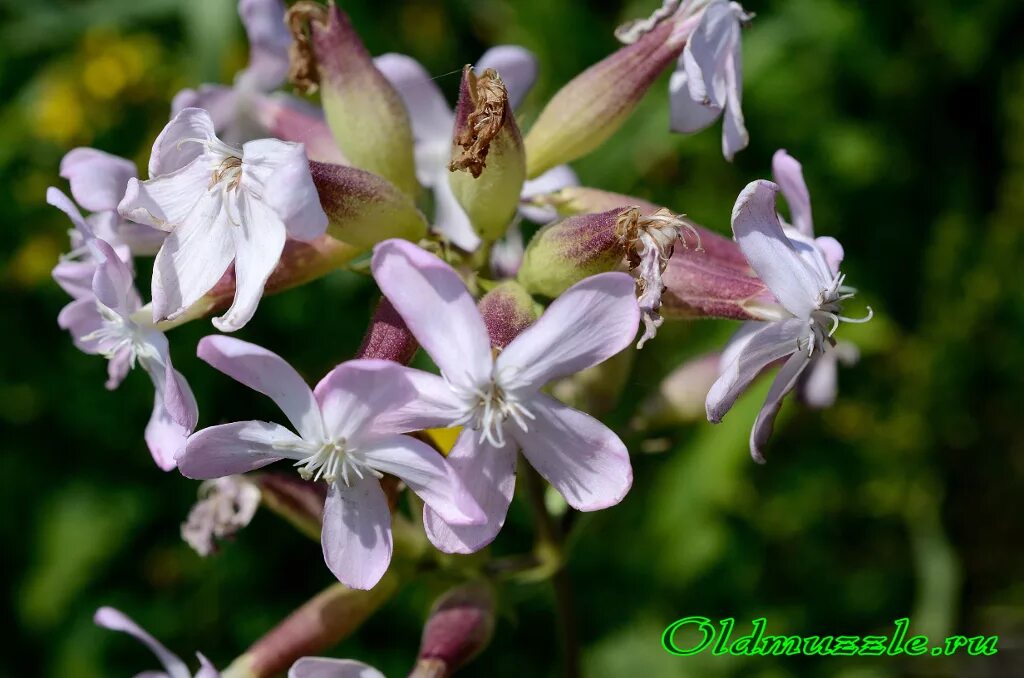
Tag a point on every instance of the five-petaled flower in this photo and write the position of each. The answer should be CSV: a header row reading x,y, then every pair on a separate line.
x,y
344,437
219,205
106,321
803,274
498,400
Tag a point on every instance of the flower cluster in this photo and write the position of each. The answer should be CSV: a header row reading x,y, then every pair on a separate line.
x,y
252,191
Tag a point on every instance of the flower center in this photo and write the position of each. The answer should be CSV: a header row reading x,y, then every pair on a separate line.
x,y
488,406
332,460
229,172
117,334
825,320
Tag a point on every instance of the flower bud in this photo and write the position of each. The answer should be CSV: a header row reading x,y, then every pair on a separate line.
x,y
594,104
565,252
715,282
365,113
291,119
459,627
680,396
364,209
573,200
507,310
488,165
388,338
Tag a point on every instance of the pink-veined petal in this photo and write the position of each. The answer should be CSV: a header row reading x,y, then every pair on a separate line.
x,y
181,141
284,183
115,620
789,175
258,242
437,308
356,536
427,474
489,475
193,258
784,382
98,179
773,341
230,449
517,67
430,114
322,667
434,405
771,254
581,457
267,373
356,394
589,323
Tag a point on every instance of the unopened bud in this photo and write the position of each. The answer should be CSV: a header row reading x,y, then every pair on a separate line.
x,y
459,627
363,209
388,338
593,105
507,310
291,119
488,165
364,111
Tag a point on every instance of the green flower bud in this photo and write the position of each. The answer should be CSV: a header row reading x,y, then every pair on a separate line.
x,y
565,252
365,113
363,208
488,164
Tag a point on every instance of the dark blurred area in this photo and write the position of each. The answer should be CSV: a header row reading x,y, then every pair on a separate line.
x,y
904,499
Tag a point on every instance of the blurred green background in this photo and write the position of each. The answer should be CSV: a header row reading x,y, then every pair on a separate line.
x,y
905,499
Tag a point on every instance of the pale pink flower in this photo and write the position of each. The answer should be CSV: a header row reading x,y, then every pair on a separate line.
x,y
221,205
498,400
323,667
344,438
173,666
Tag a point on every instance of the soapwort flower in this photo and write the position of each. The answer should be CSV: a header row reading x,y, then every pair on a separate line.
x,y
324,667
498,400
106,322
225,506
804,276
233,108
342,438
174,667
221,204
433,121
708,80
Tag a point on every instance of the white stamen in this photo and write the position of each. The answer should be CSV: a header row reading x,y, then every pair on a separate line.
x,y
330,461
489,405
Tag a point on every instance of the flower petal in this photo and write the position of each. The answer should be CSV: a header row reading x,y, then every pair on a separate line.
x,y
98,179
832,251
686,115
115,620
819,385
113,283
784,382
165,435
450,220
517,67
437,307
734,131
707,51
75,277
581,457
268,44
761,348
321,667
81,318
229,449
427,474
269,374
772,255
181,141
193,258
429,112
789,175
356,536
553,180
165,202
435,405
489,476
258,242
356,393
281,171
229,111
589,323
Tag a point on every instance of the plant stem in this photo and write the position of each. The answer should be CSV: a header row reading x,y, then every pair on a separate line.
x,y
549,550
